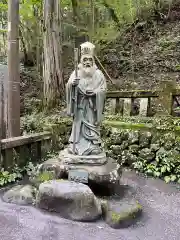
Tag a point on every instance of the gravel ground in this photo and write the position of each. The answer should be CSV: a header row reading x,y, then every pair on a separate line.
x,y
161,220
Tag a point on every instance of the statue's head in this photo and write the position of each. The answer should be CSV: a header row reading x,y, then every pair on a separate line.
x,y
87,63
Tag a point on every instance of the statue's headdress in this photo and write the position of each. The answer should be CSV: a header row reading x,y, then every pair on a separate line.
x,y
87,48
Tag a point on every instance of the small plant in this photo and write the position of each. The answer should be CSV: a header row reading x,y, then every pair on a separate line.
x,y
165,166
10,177
31,169
17,173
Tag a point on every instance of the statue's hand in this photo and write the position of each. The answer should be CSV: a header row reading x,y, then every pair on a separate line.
x,y
75,81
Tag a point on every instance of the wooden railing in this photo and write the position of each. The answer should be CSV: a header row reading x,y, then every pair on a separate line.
x,y
20,150
122,101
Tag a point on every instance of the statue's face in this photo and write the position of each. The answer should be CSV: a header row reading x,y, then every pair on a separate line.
x,y
87,61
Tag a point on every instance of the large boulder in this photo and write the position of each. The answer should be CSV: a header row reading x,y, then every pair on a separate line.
x,y
121,214
20,194
71,200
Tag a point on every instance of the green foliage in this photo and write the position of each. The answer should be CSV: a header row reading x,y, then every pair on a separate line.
x,y
105,25
165,166
10,177
30,170
17,173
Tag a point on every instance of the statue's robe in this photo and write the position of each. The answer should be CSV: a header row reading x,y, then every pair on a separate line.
x,y
89,113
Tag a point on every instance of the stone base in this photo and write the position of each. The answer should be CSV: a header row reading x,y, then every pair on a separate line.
x,y
69,158
70,200
108,173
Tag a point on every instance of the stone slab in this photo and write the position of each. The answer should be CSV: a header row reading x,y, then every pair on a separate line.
x,y
78,176
110,172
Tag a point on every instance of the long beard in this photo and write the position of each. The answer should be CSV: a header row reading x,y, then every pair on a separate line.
x,y
88,71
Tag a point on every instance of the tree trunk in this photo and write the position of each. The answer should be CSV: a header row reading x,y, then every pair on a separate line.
x,y
112,14
52,72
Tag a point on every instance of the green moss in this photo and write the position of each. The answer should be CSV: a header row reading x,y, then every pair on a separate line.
x,y
134,126
116,217
131,213
45,176
60,180
156,126
139,207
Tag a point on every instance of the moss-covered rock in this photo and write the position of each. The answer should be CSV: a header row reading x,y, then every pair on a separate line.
x,y
69,199
128,158
177,144
133,137
42,177
134,149
154,147
169,140
21,195
147,154
121,214
116,138
116,149
145,139
156,139
124,145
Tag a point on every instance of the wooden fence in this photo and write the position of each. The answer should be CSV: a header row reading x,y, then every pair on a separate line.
x,y
122,101
20,150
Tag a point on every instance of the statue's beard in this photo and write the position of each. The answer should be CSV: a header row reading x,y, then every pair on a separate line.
x,y
88,71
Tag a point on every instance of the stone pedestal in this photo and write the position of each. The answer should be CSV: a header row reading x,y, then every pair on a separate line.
x,y
107,173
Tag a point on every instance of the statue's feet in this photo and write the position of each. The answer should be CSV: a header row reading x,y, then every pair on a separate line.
x,y
95,152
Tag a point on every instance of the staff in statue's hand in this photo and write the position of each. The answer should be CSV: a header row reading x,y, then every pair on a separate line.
x,y
75,81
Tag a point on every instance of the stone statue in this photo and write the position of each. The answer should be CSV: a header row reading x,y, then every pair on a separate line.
x,y
90,84
84,159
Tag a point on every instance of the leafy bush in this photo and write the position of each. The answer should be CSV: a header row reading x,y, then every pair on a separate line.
x,y
7,177
17,173
165,166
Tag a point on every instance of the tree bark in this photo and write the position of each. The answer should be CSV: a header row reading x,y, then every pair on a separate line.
x,y
52,71
13,103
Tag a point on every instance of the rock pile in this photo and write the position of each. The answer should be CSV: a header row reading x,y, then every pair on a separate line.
x,y
128,146
75,201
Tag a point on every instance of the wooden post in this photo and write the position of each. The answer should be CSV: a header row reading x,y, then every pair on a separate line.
x,y
143,107
119,106
112,106
13,70
127,107
149,108
165,98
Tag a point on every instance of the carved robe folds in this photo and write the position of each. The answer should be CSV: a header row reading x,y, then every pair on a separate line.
x,y
89,112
